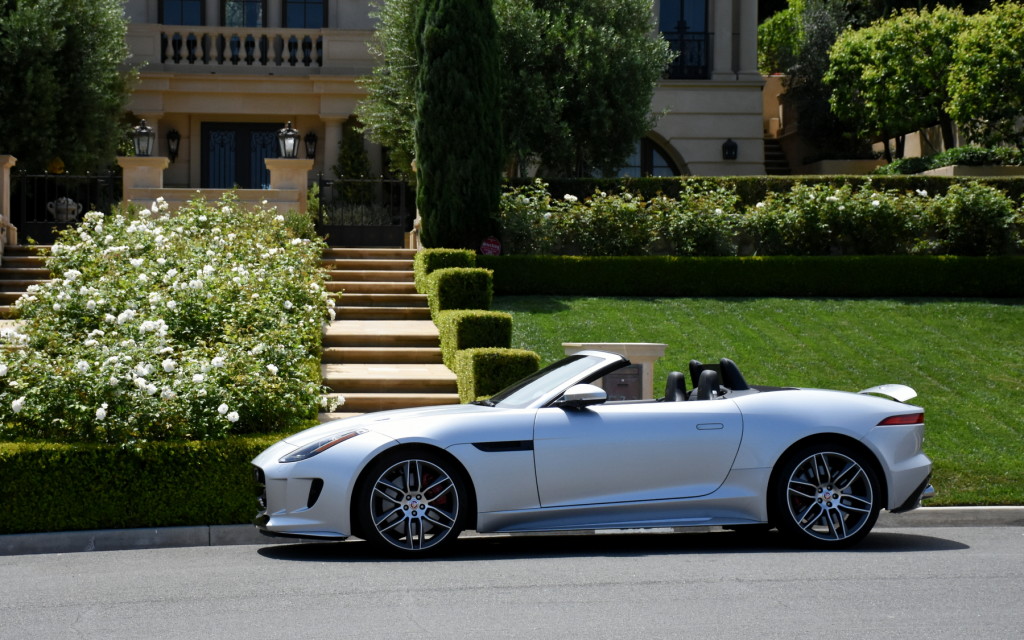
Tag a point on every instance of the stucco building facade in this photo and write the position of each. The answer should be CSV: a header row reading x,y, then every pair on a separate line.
x,y
227,74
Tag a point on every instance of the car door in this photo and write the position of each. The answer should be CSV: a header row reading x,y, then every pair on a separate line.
x,y
634,451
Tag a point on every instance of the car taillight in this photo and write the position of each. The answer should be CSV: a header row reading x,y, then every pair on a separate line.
x,y
910,418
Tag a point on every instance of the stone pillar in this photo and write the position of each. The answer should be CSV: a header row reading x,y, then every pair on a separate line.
x,y
291,174
722,55
748,70
8,232
642,354
332,142
142,172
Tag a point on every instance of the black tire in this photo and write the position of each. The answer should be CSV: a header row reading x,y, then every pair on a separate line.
x,y
826,496
410,503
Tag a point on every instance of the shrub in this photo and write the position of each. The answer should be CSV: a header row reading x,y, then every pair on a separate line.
x,y
459,288
484,372
702,220
471,328
428,261
160,327
974,220
843,276
63,487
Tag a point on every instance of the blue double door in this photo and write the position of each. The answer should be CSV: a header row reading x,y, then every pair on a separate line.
x,y
234,154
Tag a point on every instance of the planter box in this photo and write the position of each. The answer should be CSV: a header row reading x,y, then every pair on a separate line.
x,y
962,170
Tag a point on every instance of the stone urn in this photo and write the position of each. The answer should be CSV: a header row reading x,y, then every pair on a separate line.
x,y
64,209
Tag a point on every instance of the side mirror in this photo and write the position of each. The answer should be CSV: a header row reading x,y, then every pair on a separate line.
x,y
582,395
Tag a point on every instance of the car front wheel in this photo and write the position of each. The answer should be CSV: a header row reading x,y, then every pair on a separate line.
x,y
410,503
826,497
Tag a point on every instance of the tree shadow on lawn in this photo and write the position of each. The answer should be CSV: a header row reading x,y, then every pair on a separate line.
x,y
498,547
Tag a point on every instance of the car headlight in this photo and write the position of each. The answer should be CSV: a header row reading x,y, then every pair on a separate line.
x,y
319,446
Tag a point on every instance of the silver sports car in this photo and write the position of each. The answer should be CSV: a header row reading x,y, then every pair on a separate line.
x,y
552,453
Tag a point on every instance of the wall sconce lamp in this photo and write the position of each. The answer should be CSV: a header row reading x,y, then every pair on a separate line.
x,y
288,141
143,137
173,140
730,149
310,141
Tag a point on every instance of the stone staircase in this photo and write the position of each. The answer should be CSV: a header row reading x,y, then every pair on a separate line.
x,y
775,163
381,352
20,267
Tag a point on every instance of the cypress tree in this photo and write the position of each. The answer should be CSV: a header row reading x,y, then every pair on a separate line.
x,y
458,122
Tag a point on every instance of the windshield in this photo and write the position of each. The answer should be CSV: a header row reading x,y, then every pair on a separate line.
x,y
549,379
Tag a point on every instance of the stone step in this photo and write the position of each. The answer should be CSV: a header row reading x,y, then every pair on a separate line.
x,y
358,264
388,378
332,253
359,299
399,355
19,285
10,297
24,273
350,287
367,402
370,276
19,261
344,312
368,333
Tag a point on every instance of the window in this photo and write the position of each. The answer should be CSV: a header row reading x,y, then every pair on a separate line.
x,y
245,13
648,160
684,23
181,12
305,14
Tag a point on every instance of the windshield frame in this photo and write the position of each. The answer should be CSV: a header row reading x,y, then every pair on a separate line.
x,y
547,385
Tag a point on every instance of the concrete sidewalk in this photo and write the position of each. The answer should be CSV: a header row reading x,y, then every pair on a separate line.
x,y
215,535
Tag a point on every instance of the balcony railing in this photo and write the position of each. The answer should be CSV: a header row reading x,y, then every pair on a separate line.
x,y
693,59
257,50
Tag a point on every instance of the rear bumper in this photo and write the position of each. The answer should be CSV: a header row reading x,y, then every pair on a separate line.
x,y
923,492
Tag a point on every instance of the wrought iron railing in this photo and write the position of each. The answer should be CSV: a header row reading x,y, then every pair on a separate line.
x,y
41,203
366,202
693,55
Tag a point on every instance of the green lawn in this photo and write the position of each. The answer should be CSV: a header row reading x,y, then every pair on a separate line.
x,y
965,358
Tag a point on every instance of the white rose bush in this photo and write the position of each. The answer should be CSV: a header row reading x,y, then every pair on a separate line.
x,y
156,326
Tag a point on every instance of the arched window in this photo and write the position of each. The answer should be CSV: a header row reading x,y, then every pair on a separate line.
x,y
648,160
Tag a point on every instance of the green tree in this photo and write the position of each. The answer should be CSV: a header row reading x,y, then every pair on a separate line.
x,y
577,80
458,122
64,88
890,78
985,80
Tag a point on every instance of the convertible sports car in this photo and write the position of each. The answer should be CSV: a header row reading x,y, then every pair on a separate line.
x,y
552,453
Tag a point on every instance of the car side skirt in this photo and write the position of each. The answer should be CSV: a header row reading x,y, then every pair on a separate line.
x,y
740,500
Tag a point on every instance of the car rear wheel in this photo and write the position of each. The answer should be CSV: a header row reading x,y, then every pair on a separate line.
x,y
826,496
410,503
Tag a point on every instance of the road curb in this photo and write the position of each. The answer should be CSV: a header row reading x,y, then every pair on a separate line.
x,y
239,534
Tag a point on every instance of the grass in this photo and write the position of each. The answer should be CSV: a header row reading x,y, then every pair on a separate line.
x,y
965,358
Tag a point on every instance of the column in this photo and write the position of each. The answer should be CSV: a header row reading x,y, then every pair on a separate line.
x,y
8,232
141,173
722,52
748,41
331,143
290,175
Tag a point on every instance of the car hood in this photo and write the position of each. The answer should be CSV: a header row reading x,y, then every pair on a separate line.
x,y
386,421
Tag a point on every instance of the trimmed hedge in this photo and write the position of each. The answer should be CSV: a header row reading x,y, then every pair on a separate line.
x,y
484,372
67,487
459,288
428,261
472,328
754,189
848,276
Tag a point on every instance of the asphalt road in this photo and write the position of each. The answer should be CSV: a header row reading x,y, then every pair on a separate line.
x,y
952,582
